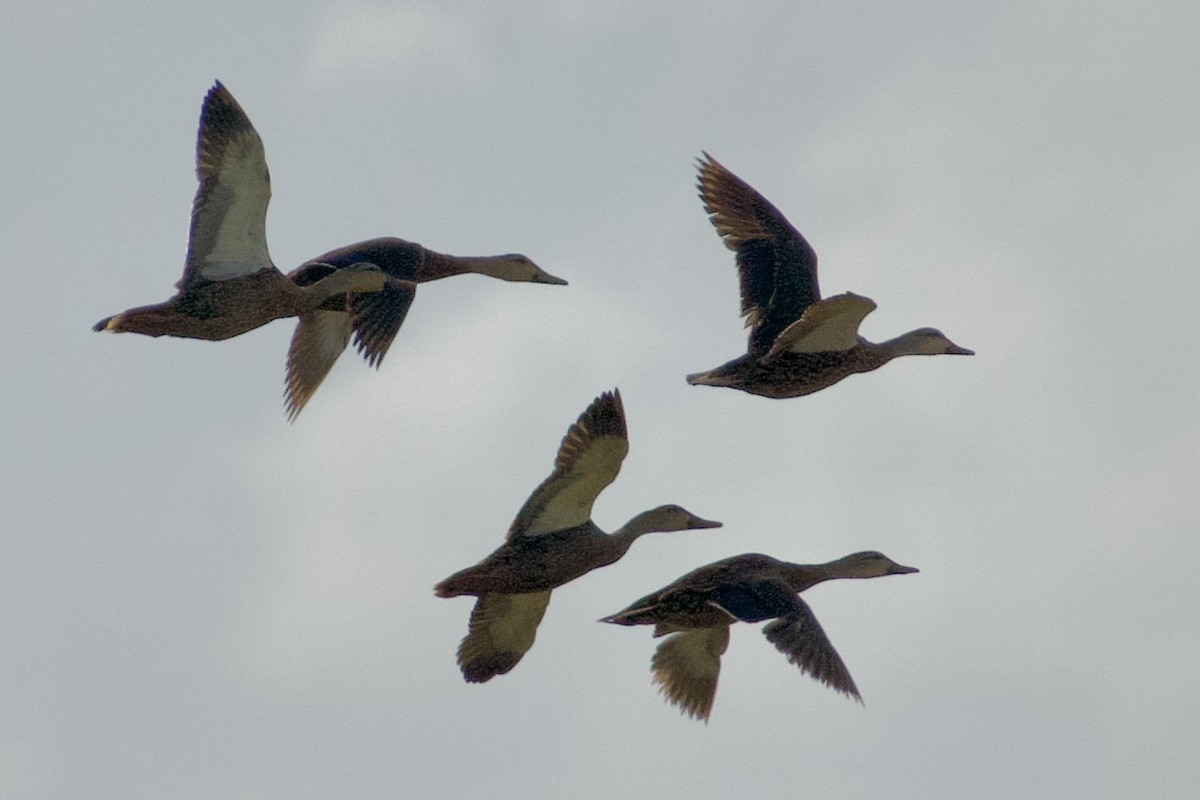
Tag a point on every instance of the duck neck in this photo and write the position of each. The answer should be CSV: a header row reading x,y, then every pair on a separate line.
x,y
440,265
804,576
906,344
623,538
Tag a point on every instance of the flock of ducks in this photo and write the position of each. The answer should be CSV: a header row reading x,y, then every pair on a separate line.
x,y
799,343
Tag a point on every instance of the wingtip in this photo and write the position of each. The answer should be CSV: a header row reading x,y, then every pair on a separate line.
x,y
704,379
482,669
605,415
293,404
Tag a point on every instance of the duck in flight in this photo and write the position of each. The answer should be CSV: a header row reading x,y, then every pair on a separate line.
x,y
698,609
551,542
799,342
321,336
231,286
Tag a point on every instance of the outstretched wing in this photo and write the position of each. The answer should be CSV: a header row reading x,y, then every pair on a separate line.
x,y
686,667
777,268
229,215
502,629
800,637
589,459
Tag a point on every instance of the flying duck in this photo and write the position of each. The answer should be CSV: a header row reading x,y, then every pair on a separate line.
x,y
552,541
698,609
799,343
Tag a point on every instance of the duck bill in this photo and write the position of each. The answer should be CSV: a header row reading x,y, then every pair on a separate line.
x,y
698,522
546,277
955,350
900,569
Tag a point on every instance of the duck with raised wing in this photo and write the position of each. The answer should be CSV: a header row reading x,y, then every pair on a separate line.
x,y
229,284
698,609
322,335
551,542
799,343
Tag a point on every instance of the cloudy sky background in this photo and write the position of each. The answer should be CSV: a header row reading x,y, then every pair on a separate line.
x,y
198,600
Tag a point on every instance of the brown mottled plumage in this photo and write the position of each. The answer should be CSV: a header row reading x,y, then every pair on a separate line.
x,y
699,608
229,284
552,541
799,343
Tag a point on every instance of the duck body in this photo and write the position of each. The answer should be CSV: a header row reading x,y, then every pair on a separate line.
x,y
409,261
793,374
698,609
535,563
222,309
212,310
799,343
722,592
552,541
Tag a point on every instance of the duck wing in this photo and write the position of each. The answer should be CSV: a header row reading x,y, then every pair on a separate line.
x,y
377,317
319,338
755,599
800,637
686,667
229,215
777,268
501,630
826,325
588,460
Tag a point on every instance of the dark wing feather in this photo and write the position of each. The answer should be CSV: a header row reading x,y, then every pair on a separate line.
x,y
800,637
755,600
377,318
777,268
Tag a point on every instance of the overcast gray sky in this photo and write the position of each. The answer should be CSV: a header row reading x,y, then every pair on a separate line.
x,y
198,600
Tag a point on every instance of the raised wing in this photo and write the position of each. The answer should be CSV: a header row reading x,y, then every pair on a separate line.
x,y
777,268
502,629
686,667
229,215
800,637
830,324
589,459
319,338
